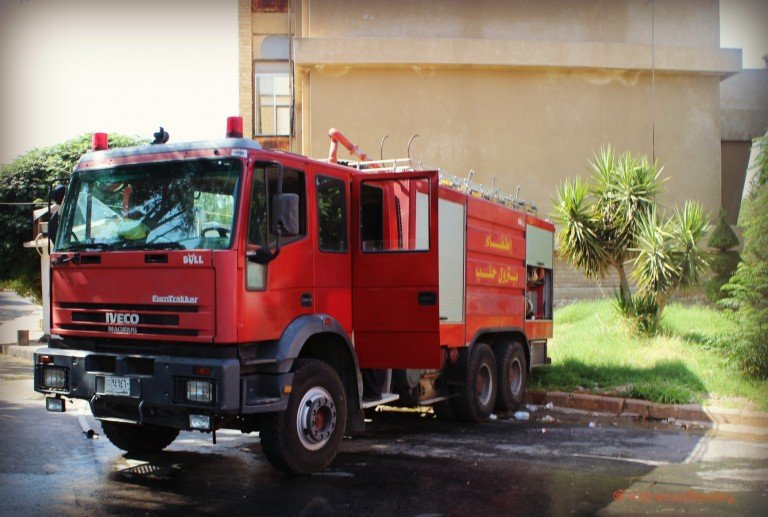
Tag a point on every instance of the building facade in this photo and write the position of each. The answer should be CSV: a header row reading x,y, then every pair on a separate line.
x,y
522,93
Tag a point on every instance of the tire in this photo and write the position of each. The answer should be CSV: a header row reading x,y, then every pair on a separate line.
x,y
305,437
139,438
478,393
513,375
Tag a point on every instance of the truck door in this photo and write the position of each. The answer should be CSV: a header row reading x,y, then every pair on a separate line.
x,y
395,311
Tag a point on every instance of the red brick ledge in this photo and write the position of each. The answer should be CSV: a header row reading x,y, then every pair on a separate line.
x,y
645,409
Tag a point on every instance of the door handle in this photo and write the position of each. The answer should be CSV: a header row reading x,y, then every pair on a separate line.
x,y
306,299
427,298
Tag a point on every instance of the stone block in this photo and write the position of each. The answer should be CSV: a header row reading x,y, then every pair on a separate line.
x,y
641,408
558,398
584,402
663,411
693,412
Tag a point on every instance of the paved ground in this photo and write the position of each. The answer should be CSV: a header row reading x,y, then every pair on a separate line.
x,y
406,464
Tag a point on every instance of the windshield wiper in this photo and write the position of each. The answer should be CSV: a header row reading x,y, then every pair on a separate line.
x,y
153,246
86,246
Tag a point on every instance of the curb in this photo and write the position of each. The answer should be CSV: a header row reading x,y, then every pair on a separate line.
x,y
647,410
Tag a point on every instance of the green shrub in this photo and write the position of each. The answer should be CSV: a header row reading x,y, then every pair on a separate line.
x,y
28,178
748,288
723,237
722,262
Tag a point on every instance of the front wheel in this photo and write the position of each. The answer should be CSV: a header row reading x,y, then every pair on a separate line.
x,y
304,438
139,438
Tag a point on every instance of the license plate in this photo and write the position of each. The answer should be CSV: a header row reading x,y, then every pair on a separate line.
x,y
117,386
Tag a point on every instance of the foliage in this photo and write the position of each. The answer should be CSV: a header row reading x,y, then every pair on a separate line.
x,y
723,237
599,221
722,262
641,312
28,178
614,220
668,257
748,288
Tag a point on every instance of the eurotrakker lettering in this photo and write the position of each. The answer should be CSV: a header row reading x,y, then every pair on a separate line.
x,y
174,299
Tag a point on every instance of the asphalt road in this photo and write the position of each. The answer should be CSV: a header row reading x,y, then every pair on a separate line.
x,y
406,464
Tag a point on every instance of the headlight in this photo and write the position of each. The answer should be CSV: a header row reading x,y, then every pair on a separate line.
x,y
54,378
200,391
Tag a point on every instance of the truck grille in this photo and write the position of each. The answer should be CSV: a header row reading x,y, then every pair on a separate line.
x,y
129,319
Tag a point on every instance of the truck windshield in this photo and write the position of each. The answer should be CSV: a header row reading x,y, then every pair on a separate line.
x,y
172,205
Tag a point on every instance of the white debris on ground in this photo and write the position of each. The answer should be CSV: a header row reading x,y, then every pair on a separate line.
x,y
592,424
522,415
549,405
531,407
548,419
493,416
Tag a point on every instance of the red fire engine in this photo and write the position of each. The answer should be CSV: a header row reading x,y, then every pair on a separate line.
x,y
215,284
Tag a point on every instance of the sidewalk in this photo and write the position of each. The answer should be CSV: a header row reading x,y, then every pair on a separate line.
x,y
17,313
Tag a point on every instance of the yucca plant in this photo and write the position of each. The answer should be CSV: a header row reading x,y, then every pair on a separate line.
x,y
614,220
669,255
599,222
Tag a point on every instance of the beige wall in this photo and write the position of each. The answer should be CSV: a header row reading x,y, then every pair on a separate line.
x,y
520,126
517,90
613,21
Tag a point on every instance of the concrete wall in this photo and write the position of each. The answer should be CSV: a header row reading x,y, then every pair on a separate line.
x,y
516,90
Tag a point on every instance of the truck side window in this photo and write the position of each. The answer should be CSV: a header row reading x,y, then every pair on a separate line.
x,y
258,234
394,215
331,214
293,183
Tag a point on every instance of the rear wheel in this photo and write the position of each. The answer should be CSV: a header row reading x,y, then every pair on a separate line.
x,y
304,438
513,374
139,438
478,393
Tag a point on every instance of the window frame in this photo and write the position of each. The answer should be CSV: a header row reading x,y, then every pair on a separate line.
x,y
273,70
345,212
398,214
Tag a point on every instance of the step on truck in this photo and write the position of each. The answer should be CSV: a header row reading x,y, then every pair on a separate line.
x,y
218,285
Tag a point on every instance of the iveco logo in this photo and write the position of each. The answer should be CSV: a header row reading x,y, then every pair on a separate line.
x,y
193,259
122,318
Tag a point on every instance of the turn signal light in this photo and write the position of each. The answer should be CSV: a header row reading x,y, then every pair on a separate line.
x,y
45,359
202,370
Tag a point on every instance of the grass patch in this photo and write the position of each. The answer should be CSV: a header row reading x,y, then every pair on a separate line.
x,y
691,361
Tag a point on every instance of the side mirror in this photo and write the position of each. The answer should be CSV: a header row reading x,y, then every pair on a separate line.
x,y
285,215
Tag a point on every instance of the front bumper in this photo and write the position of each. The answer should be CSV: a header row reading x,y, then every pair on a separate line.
x,y
153,388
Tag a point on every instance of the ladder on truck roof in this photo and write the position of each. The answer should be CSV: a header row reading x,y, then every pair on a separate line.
x,y
465,185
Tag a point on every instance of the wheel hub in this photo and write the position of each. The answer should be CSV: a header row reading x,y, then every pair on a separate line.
x,y
316,418
515,377
483,385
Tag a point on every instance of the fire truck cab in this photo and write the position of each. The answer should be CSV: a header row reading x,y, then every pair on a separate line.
x,y
215,284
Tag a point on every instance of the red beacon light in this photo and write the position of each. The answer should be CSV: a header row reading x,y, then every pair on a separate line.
x,y
234,127
100,141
